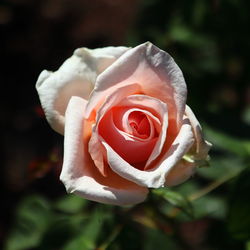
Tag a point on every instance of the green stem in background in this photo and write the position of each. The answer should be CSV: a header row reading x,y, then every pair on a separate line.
x,y
111,237
170,222
127,212
213,185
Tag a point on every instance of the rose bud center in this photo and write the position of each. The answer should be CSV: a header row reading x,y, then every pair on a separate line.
x,y
131,132
139,124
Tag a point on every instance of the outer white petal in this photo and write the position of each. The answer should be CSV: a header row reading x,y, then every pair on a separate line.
x,y
156,177
76,77
154,70
201,146
182,171
101,58
80,175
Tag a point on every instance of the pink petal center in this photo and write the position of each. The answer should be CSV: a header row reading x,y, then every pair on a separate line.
x,y
139,124
130,132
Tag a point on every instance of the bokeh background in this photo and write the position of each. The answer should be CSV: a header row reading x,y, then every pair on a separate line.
x,y
210,41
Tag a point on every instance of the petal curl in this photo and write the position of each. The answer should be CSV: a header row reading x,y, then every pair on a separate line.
x,y
95,149
79,173
182,171
122,143
126,96
157,108
76,77
201,146
154,70
155,177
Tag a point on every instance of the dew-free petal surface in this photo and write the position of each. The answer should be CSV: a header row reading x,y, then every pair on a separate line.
x,y
182,171
155,177
201,145
76,77
154,70
80,175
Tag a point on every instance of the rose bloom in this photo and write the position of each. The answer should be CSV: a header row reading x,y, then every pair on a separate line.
x,y
126,124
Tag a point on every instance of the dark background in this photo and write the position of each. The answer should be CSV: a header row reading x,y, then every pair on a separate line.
x,y
210,41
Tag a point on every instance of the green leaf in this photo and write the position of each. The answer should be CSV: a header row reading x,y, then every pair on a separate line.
x,y
88,235
176,199
187,188
222,166
71,204
248,245
32,220
228,143
210,206
62,229
238,217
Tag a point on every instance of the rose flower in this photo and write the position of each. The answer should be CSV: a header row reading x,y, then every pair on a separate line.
x,y
126,124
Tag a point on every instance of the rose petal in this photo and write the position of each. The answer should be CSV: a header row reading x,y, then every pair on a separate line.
x,y
102,57
201,146
95,149
182,171
79,174
122,143
155,177
154,70
121,121
97,153
124,97
157,108
114,98
76,77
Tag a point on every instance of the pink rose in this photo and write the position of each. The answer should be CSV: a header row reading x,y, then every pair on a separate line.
x,y
125,120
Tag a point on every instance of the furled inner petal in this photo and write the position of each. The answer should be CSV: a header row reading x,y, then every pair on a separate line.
x,y
138,123
150,116
158,111
131,148
94,147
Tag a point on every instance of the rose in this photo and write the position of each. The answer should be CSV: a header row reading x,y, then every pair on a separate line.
x,y
125,120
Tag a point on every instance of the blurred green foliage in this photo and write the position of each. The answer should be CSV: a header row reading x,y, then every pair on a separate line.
x,y
239,207
211,43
